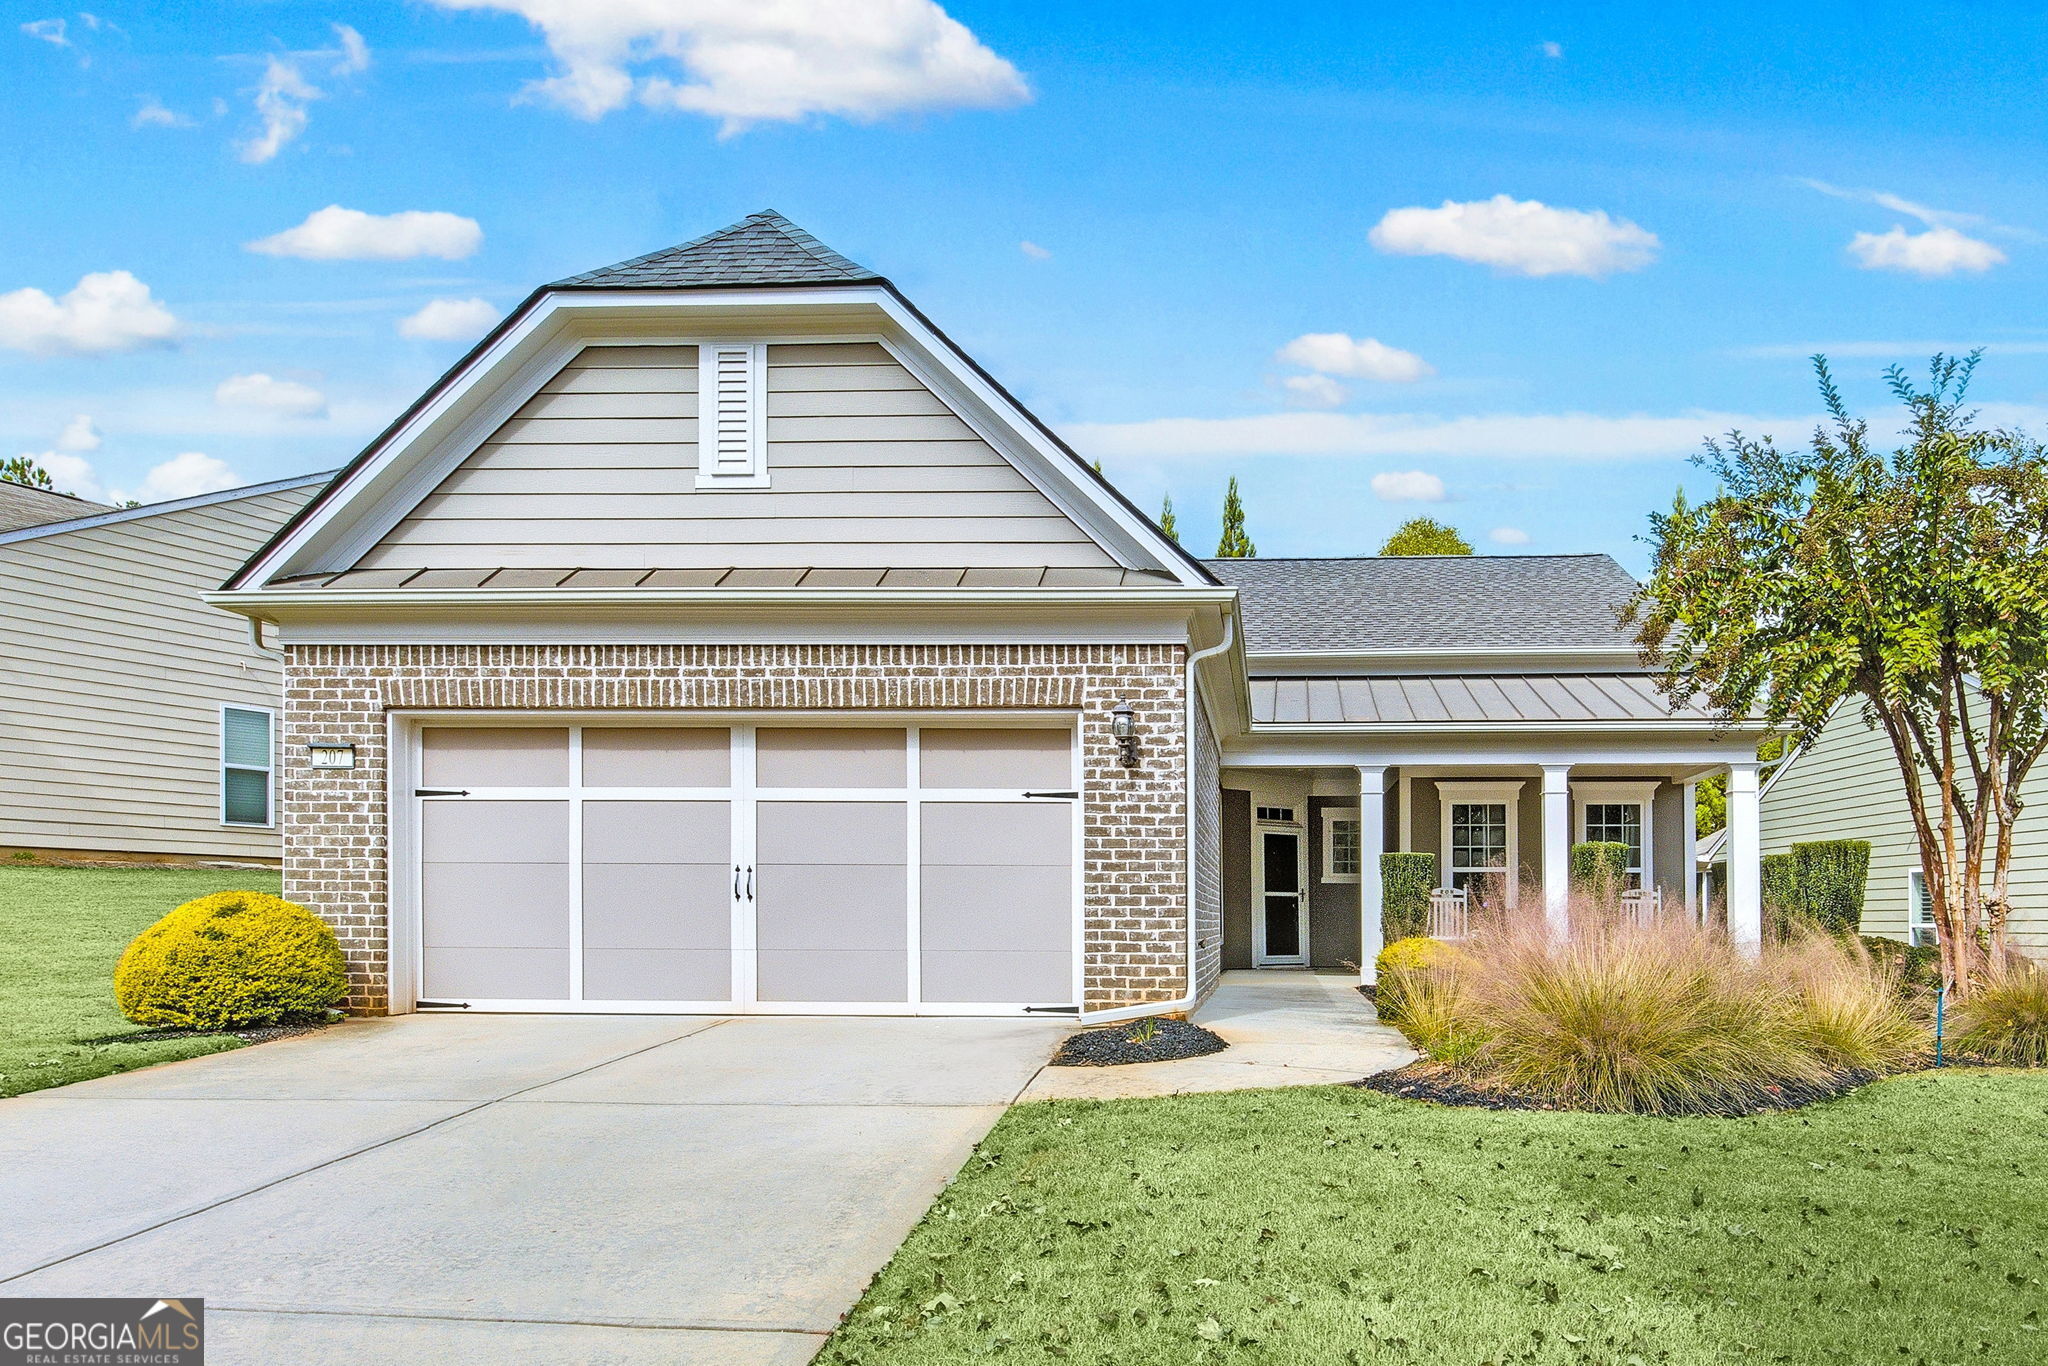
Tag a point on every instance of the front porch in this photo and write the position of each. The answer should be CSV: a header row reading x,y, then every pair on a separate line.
x,y
1301,846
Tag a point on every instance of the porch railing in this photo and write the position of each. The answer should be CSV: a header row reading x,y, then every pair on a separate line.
x,y
1450,914
1643,906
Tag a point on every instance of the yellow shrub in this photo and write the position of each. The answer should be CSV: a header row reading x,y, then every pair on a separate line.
x,y
1416,951
230,960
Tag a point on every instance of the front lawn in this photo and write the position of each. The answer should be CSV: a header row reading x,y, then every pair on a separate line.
x,y
1322,1225
61,930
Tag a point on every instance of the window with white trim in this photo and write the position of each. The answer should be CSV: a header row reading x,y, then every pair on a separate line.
x,y
732,417
1479,844
1920,931
1343,855
246,766
1619,813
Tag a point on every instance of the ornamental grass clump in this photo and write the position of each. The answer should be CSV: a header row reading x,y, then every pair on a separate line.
x,y
1659,1018
2005,1020
229,961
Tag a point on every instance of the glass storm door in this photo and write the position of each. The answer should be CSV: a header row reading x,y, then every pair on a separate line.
x,y
1283,933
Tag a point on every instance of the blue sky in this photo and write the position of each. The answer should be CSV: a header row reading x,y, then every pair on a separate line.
x,y
1503,265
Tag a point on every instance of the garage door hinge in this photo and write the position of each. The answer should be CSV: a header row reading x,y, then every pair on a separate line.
x,y
442,1005
440,792
1069,795
1052,1010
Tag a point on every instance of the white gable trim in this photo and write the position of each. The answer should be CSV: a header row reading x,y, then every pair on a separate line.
x,y
412,460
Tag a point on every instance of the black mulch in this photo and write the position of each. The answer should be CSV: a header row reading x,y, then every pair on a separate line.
x,y
1114,1045
1429,1082
254,1034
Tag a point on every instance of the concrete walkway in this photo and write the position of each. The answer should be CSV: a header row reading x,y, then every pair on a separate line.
x,y
1284,1029
472,1189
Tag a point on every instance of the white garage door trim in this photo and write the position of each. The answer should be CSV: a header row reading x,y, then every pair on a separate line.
x,y
405,811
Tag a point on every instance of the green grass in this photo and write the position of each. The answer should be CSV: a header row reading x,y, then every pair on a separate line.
x,y
61,930
1327,1225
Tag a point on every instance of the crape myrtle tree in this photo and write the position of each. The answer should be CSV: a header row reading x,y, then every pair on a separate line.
x,y
1913,583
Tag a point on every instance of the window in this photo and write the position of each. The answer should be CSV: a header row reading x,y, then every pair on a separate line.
x,y
1479,844
1919,911
1283,815
732,422
1342,849
245,766
1619,813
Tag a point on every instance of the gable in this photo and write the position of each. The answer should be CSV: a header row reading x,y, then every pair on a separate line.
x,y
866,469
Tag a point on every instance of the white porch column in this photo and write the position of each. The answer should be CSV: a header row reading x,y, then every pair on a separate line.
x,y
1557,848
1691,845
1372,841
1745,852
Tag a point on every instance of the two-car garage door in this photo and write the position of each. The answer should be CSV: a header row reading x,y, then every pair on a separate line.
x,y
901,867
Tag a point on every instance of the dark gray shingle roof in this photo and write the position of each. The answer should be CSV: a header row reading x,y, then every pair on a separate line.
x,y
23,505
761,249
1431,602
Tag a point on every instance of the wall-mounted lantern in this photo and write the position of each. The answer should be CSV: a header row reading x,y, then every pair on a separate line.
x,y
330,754
1122,725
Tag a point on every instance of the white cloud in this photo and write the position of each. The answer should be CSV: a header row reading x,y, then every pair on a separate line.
x,y
1335,353
1505,436
281,99
1407,486
751,63
1508,535
355,53
182,476
338,234
261,393
449,320
49,30
1034,251
72,474
1521,236
153,114
1318,391
1937,251
79,435
1554,51
106,311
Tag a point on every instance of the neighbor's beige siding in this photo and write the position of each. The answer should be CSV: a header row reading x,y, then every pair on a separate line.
x,y
112,676
1847,785
867,467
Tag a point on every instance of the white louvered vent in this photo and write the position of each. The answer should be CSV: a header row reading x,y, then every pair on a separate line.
x,y
732,450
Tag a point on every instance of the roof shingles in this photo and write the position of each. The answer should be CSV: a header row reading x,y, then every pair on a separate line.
x,y
1431,602
761,249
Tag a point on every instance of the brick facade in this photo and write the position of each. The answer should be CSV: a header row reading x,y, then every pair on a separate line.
x,y
1134,844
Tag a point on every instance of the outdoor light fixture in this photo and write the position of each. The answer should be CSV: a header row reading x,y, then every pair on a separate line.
x,y
1120,726
331,754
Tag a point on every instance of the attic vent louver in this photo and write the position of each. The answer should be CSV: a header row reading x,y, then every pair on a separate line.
x,y
732,449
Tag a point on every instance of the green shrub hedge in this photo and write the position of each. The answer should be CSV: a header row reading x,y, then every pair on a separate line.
x,y
1599,868
1406,880
1829,876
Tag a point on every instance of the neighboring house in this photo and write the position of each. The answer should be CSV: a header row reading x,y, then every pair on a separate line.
x,y
25,505
135,720
719,636
1847,785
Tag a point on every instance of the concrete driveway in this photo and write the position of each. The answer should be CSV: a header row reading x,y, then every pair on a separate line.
x,y
603,1189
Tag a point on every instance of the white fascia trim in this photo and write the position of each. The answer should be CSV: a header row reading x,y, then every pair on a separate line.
x,y
397,601
469,406
1535,659
119,515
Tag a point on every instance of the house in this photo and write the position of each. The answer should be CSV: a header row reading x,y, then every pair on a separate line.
x,y
718,635
138,722
1847,785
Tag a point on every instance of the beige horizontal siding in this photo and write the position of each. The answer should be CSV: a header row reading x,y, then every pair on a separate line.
x,y
867,467
113,674
1848,786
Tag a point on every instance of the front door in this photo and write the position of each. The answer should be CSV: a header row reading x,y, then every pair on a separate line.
x,y
1283,923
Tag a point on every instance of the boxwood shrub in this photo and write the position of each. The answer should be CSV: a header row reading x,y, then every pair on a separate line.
x,y
1406,880
1828,877
231,960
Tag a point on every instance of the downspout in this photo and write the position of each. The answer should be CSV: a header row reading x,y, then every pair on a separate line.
x,y
1188,1000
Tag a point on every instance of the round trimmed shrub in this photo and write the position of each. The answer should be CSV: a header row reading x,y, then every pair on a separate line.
x,y
1416,951
228,961
1403,969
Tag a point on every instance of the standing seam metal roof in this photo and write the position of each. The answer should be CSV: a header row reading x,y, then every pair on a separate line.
x,y
1490,699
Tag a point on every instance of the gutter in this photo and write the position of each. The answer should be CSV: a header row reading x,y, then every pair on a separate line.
x,y
1192,996
261,602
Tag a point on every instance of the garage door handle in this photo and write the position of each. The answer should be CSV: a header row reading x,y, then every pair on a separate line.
x,y
1070,796
750,883
440,792
735,882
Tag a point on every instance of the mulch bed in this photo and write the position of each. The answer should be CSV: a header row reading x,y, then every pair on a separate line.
x,y
1113,1045
1439,1085
255,1034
